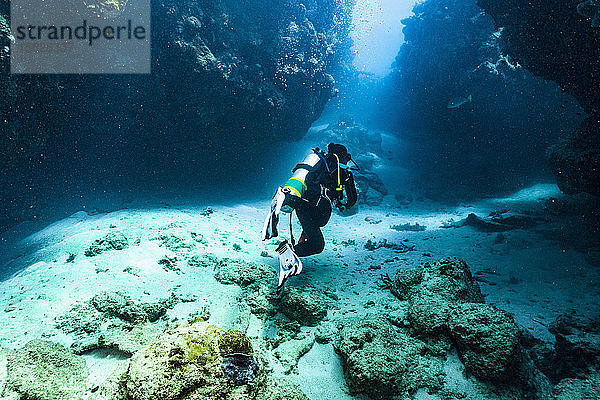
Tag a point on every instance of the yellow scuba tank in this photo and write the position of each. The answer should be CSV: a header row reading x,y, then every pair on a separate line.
x,y
297,182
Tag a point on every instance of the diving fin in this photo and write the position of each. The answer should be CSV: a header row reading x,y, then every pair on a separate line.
x,y
289,264
270,225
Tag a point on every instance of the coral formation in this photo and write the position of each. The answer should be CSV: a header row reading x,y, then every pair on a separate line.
x,y
44,370
185,363
445,309
180,244
242,273
408,227
400,248
240,369
577,346
578,389
169,263
255,279
449,278
114,240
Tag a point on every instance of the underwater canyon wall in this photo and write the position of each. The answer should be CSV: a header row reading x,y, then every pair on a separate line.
x,y
559,40
228,78
496,139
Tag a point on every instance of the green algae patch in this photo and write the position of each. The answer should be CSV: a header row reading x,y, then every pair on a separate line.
x,y
235,342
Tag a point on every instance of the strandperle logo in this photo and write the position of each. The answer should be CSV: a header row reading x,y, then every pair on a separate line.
x,y
81,32
80,36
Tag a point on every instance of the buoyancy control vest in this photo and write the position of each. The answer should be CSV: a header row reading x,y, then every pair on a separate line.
x,y
319,170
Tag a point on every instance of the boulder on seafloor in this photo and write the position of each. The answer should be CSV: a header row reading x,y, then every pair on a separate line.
x,y
382,361
303,305
113,240
192,362
325,332
487,340
577,346
432,289
184,362
44,370
180,243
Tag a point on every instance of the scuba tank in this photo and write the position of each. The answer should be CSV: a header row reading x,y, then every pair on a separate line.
x,y
297,182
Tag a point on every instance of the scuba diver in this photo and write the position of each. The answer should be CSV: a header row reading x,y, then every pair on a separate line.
x,y
317,183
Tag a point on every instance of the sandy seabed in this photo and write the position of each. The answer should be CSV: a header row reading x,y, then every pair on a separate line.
x,y
524,271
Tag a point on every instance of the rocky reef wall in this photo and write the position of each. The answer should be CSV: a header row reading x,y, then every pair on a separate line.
x,y
559,41
497,139
226,78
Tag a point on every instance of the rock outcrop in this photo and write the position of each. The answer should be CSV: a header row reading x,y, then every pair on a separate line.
x,y
113,320
577,346
255,279
382,361
558,41
446,310
113,240
578,389
433,290
305,306
487,340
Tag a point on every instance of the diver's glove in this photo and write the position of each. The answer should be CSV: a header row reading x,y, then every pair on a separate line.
x,y
289,264
270,226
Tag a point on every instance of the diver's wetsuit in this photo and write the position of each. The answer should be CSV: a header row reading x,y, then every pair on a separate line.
x,y
314,207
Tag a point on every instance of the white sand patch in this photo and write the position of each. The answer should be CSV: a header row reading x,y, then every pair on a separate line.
x,y
320,374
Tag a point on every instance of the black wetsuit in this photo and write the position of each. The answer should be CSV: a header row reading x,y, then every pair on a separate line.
x,y
314,207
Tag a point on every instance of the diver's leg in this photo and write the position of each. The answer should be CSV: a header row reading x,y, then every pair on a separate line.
x,y
311,240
